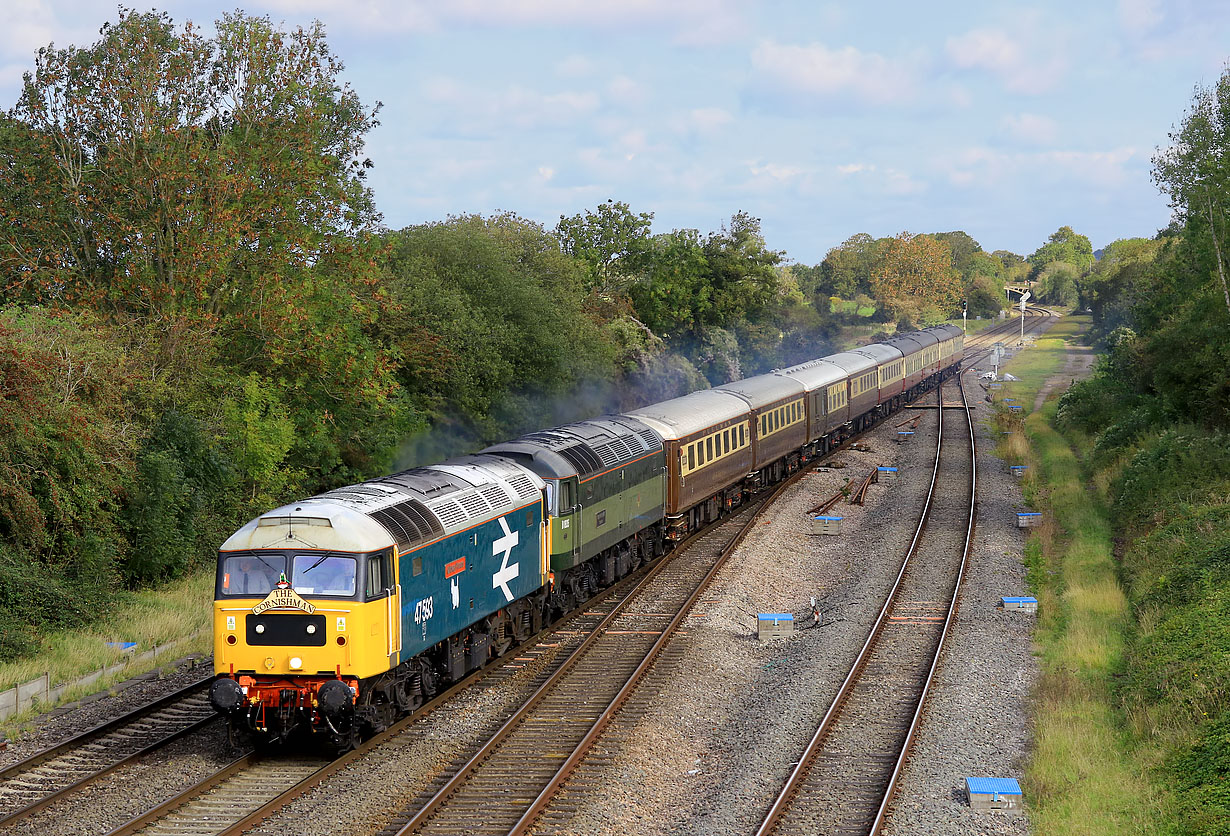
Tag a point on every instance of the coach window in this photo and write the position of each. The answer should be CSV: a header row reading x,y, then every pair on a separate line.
x,y
709,448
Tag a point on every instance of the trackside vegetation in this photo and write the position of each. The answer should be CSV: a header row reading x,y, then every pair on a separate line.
x,y
1133,465
203,315
1072,784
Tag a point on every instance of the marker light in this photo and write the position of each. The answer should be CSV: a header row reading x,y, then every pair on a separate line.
x,y
260,628
230,639
296,663
311,628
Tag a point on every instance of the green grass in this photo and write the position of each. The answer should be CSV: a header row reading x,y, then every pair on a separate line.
x,y
1081,778
176,611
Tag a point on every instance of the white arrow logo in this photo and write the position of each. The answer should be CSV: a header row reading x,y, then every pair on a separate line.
x,y
456,594
506,572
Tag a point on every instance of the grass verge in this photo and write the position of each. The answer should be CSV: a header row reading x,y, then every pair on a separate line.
x,y
1082,778
176,611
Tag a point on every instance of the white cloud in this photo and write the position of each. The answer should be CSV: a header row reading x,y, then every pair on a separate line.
x,y
984,168
774,171
707,120
834,73
1025,62
693,22
488,108
625,90
1140,15
546,172
855,168
1032,128
574,66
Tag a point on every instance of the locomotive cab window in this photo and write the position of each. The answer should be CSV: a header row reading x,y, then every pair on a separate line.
x,y
326,574
251,574
378,574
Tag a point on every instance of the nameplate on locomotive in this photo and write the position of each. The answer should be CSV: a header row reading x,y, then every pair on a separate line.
x,y
283,598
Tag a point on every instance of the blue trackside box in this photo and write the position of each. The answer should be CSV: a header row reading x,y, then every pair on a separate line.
x,y
993,793
774,625
826,525
1028,519
1024,603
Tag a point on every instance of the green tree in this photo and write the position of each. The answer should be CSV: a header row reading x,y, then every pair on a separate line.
x,y
848,267
1063,245
742,272
1195,171
1057,284
609,240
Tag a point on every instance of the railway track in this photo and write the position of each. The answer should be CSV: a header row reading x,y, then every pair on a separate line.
x,y
513,777
50,775
979,345
252,788
844,779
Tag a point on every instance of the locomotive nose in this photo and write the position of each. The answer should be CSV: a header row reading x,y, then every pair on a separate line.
x,y
333,697
225,695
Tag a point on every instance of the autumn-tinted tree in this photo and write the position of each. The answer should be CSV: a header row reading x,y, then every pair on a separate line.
x,y
916,280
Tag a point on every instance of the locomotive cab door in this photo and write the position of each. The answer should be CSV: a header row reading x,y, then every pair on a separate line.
x,y
382,593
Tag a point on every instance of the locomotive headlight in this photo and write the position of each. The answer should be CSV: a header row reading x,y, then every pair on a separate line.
x,y
311,628
296,663
260,628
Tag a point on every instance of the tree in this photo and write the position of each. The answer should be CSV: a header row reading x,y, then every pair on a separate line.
x,y
1063,245
189,174
1195,171
609,240
964,249
847,268
916,278
742,271
213,187
1057,284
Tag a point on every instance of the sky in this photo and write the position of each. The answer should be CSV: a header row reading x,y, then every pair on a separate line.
x,y
1003,119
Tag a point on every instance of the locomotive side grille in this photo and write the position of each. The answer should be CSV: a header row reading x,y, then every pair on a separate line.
x,y
608,454
395,526
450,513
425,521
523,486
621,448
408,523
496,495
473,504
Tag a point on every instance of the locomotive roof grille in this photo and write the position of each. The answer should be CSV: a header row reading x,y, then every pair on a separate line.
x,y
582,458
408,523
652,442
473,504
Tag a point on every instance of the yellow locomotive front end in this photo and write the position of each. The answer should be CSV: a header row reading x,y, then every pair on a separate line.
x,y
303,617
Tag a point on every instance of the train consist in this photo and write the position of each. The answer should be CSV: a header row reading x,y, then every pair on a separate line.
x,y
336,614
